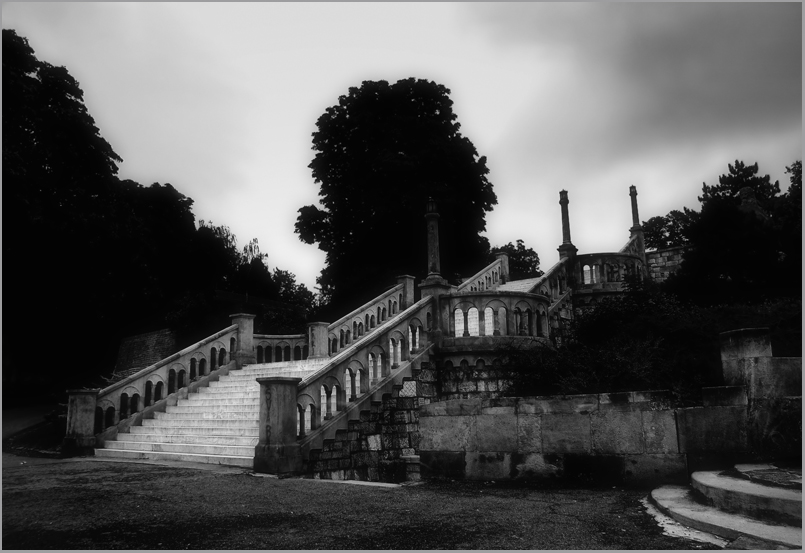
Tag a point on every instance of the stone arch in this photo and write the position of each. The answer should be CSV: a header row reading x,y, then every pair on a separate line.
x,y
297,353
124,406
259,353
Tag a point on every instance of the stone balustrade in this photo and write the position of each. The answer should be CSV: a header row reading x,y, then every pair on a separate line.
x,y
488,278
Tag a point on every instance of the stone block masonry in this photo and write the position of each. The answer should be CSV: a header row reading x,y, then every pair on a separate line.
x,y
663,263
382,444
628,438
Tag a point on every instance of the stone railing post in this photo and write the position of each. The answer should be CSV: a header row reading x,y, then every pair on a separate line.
x,y
244,348
408,291
317,340
504,266
80,436
277,451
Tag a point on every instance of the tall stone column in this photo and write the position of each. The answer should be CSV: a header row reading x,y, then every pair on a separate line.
x,y
244,347
567,249
635,216
277,451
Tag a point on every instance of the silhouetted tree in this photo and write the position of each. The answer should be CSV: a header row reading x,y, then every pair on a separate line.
x,y
381,152
746,244
668,231
523,262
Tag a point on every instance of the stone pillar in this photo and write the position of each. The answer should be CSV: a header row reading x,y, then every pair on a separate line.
x,y
504,266
317,340
80,436
432,222
635,216
244,347
408,291
745,342
277,451
567,249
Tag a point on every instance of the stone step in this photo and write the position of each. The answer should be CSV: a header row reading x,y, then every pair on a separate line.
x,y
679,503
196,449
229,414
250,441
246,385
221,393
196,400
242,430
237,461
224,423
213,409
737,495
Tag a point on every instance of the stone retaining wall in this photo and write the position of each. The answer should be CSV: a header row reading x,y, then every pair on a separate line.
x,y
629,437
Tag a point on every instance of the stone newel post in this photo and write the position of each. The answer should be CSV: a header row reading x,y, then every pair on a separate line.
x,y
80,436
408,291
504,266
277,451
317,340
244,348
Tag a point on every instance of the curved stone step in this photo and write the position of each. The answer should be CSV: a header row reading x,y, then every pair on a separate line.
x,y
242,430
170,447
189,439
742,496
678,503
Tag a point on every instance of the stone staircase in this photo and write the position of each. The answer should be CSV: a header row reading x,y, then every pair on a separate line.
x,y
753,506
217,424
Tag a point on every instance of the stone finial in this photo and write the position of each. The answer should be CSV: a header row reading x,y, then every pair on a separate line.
x,y
635,216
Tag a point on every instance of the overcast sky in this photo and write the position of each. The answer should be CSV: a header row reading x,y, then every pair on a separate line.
x,y
220,100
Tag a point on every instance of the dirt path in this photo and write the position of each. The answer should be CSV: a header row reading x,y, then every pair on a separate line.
x,y
92,504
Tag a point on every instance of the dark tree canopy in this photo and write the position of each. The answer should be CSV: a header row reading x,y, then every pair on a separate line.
x,y
95,258
669,231
381,152
523,262
746,243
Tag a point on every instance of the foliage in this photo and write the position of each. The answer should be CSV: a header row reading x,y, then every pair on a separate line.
x,y
381,152
738,177
523,262
95,258
668,231
645,340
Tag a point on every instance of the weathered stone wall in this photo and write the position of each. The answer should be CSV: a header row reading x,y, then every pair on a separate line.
x,y
663,263
630,437
375,446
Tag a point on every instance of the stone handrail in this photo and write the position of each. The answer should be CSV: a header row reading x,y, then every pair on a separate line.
x,y
349,351
170,359
494,267
390,293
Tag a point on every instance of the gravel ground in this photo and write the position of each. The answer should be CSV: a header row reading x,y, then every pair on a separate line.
x,y
93,504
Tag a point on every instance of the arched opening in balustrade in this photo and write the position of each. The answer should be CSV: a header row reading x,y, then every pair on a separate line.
x,y
286,353
540,323
391,312
383,359
259,354
411,338
458,323
465,365
149,394
341,338
232,344
98,420
180,380
393,352
221,357
267,351
202,367
372,322
301,426
349,384
326,413
159,390
305,352
192,369
587,277
502,322
360,329
489,322
124,406
473,324
394,308
349,336
480,365
333,346
384,313
277,353
213,358
171,381
297,353
366,323
135,403
355,329
429,321
109,419
372,361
